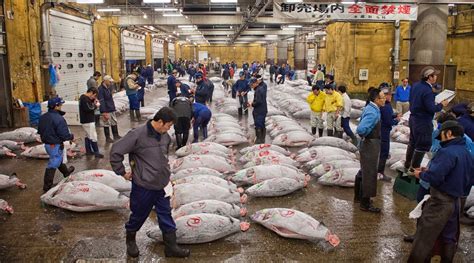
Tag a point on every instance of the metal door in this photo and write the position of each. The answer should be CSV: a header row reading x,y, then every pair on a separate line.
x,y
5,88
450,77
133,45
171,52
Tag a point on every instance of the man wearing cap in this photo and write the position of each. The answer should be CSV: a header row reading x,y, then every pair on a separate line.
x,y
183,88
318,79
467,121
54,132
202,90
210,86
450,177
88,103
422,108
333,104
131,89
191,71
240,89
402,96
107,109
259,112
148,74
172,85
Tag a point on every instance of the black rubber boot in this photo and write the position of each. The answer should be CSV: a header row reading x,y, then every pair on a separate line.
x,y
366,205
107,135
408,156
179,140
338,134
66,171
97,120
239,110
381,170
330,132
132,115
185,138
88,146
313,130
354,140
142,102
447,252
321,131
138,115
132,248
204,132
95,147
48,179
259,136
357,186
115,132
171,247
416,161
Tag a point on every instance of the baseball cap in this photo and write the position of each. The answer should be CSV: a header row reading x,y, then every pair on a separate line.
x,y
429,70
198,75
241,73
253,80
55,102
446,126
109,78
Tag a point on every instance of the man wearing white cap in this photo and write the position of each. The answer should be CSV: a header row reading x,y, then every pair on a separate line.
x,y
107,109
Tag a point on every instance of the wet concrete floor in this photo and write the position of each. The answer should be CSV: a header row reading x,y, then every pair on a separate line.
x,y
39,233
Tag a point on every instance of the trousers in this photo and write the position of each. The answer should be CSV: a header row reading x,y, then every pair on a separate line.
x,y
55,152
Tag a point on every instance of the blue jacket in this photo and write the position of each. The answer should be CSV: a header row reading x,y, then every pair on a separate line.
x,y
142,83
201,110
450,170
467,121
53,128
171,84
147,73
192,71
185,90
369,118
422,102
259,103
402,95
240,86
106,99
387,119
202,92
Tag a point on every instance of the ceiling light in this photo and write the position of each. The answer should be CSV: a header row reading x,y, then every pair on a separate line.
x,y
145,16
185,26
97,16
166,9
90,1
293,1
450,5
224,1
108,10
231,27
156,1
295,26
188,29
195,43
177,34
174,32
172,14
288,28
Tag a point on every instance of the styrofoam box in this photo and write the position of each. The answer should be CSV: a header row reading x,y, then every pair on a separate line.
x,y
72,111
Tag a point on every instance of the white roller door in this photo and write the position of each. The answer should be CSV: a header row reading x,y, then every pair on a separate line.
x,y
71,48
311,58
157,46
134,45
171,52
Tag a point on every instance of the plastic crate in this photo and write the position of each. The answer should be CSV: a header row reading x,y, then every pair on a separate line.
x,y
406,186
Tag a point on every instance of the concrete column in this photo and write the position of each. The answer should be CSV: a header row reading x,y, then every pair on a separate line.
x,y
282,52
270,54
300,52
428,46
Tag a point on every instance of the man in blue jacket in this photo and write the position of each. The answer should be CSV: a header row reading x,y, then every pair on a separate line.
x,y
387,120
240,89
202,115
282,73
201,94
467,121
402,96
172,85
422,108
107,109
260,110
450,176
54,132
141,81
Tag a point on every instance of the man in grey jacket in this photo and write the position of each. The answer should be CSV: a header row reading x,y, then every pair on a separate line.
x,y
147,147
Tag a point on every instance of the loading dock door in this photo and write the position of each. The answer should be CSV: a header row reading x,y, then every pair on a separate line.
x,y
133,45
72,49
158,53
171,52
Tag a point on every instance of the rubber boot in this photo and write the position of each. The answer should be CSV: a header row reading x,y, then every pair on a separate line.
x,y
132,248
185,138
381,170
97,120
330,132
142,102
48,179
171,247
354,140
258,136
132,115
138,115
95,147
357,186
416,162
107,135
408,157
447,252
366,205
264,134
204,132
321,131
239,110
338,134
66,171
313,130
179,140
88,146
115,132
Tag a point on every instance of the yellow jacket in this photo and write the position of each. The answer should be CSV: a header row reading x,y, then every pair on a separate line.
x,y
316,103
333,101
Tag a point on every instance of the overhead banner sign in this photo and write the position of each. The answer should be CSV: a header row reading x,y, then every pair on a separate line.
x,y
343,11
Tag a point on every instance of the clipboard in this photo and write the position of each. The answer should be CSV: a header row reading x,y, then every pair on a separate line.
x,y
445,95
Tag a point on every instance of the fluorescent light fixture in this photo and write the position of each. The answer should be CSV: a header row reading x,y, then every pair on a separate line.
x,y
188,29
271,36
177,34
166,9
288,28
172,14
450,5
195,36
108,10
90,1
186,26
145,16
156,1
293,1
295,26
195,43
223,1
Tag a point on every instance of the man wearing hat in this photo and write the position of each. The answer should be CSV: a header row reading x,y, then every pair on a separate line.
x,y
202,90
467,121
172,85
183,88
259,112
107,109
54,132
240,89
422,108
450,176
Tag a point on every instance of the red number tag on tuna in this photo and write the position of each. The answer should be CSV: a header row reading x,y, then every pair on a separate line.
x,y
287,213
194,221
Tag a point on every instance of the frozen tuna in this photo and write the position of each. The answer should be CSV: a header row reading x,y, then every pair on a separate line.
x,y
6,207
199,148
196,171
318,151
293,138
335,142
193,179
326,167
187,193
324,159
269,160
272,147
215,162
9,181
257,174
21,135
227,138
4,151
249,156
275,187
210,207
291,223
202,228
106,177
12,145
340,177
85,196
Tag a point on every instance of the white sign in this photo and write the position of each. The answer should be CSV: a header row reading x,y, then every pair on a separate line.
x,y
363,74
349,11
396,74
